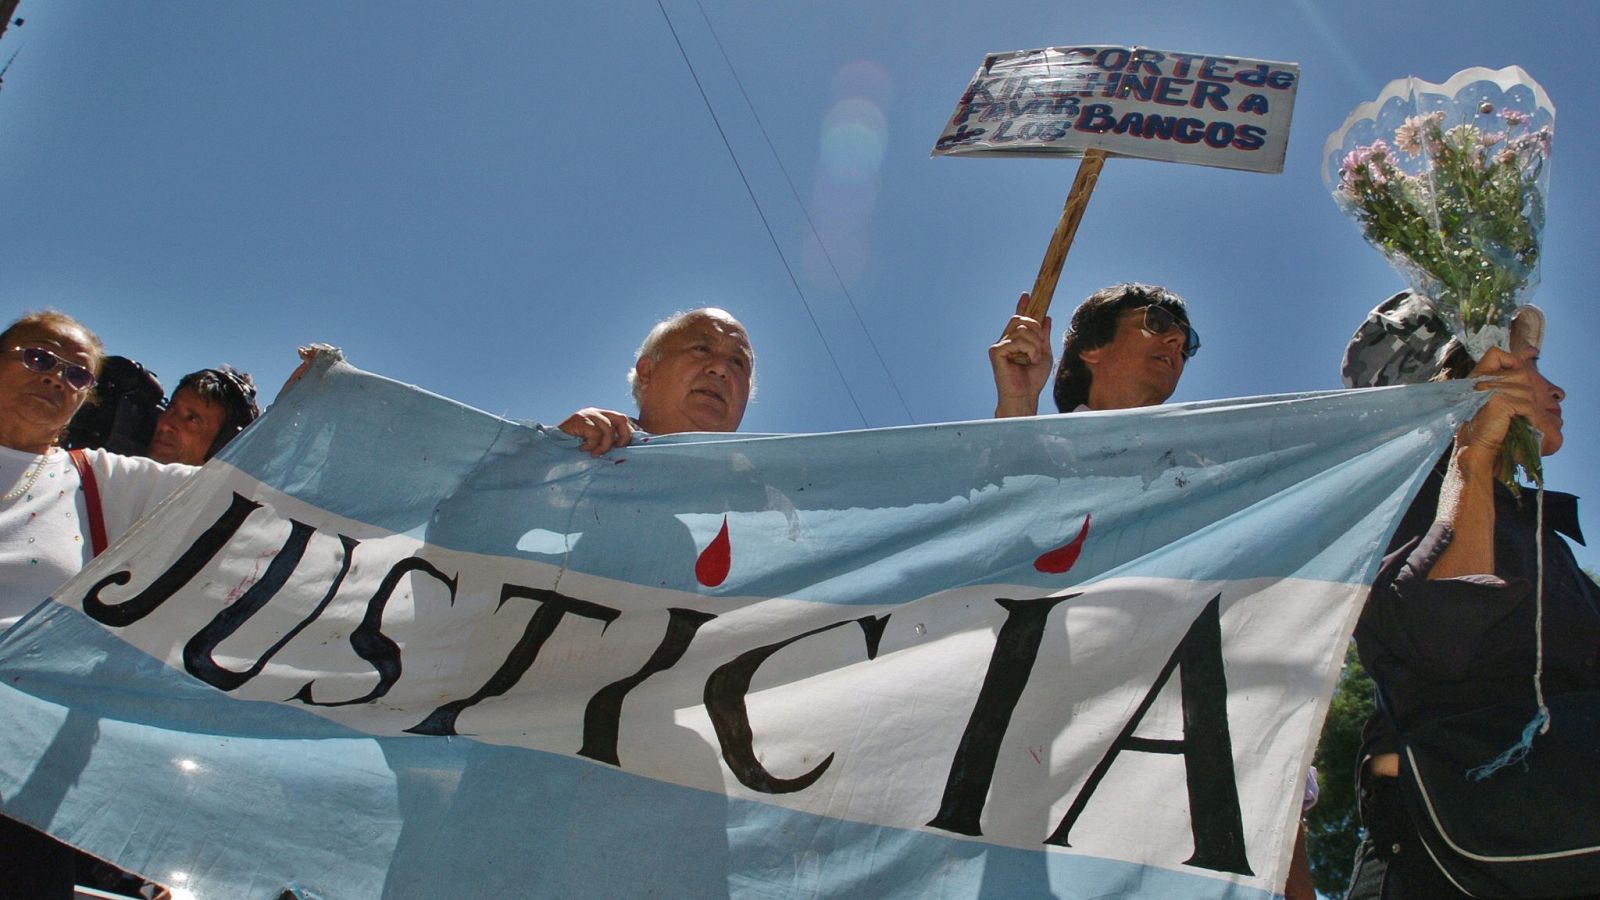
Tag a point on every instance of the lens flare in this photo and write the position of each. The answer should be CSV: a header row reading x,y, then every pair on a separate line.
x,y
852,143
854,135
864,78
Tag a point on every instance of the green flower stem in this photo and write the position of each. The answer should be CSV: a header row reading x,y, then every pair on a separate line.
x,y
1521,448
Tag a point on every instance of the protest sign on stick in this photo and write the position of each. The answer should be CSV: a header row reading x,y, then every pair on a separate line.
x,y
1101,101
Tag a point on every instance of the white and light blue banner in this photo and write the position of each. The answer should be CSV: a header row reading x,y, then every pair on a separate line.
x,y
392,646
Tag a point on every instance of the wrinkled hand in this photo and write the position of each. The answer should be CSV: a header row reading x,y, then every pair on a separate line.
x,y
1513,388
1021,361
307,354
1466,499
599,430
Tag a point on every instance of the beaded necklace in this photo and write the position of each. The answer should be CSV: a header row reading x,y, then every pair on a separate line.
x,y
26,486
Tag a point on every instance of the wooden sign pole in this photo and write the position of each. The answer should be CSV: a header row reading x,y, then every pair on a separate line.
x,y
1055,256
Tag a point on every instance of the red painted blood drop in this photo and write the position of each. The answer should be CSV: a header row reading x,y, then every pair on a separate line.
x,y
1059,560
711,569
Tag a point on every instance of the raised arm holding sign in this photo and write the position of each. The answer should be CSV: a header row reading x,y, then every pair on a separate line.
x,y
1096,102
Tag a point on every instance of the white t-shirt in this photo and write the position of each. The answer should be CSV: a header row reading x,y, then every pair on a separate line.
x,y
44,532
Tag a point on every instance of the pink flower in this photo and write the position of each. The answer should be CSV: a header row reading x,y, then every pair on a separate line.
x,y
1544,137
1536,143
1358,157
1462,136
1408,137
1350,163
1418,133
1405,137
1514,117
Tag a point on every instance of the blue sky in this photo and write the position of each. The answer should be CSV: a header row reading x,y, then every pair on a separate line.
x,y
495,200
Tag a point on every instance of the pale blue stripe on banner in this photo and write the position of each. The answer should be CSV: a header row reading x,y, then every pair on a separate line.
x,y
1153,481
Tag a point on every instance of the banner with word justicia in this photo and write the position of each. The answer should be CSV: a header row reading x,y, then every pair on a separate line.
x,y
1198,108
388,645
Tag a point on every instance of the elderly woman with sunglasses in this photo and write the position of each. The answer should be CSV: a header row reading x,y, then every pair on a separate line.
x,y
48,365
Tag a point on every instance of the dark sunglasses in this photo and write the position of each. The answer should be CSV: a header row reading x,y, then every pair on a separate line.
x,y
40,360
1160,320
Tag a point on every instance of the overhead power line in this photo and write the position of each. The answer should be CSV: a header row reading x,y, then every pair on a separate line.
x,y
811,224
763,216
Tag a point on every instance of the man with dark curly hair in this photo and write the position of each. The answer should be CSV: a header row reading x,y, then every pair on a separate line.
x,y
207,410
1126,347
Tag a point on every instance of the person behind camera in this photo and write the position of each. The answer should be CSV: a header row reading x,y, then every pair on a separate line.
x,y
207,410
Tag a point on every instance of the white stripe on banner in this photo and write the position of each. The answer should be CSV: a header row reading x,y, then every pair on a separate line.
x,y
390,646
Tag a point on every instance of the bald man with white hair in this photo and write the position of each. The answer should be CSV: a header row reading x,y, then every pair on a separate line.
x,y
695,371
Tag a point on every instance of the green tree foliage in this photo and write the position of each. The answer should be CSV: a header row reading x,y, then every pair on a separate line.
x,y
1333,827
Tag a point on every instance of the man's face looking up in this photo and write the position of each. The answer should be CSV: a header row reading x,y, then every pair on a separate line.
x,y
1138,367
184,432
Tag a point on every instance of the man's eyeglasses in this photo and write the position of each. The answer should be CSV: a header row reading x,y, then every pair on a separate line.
x,y
1160,320
40,360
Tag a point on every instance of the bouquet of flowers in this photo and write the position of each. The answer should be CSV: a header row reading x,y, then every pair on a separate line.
x,y
1448,182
